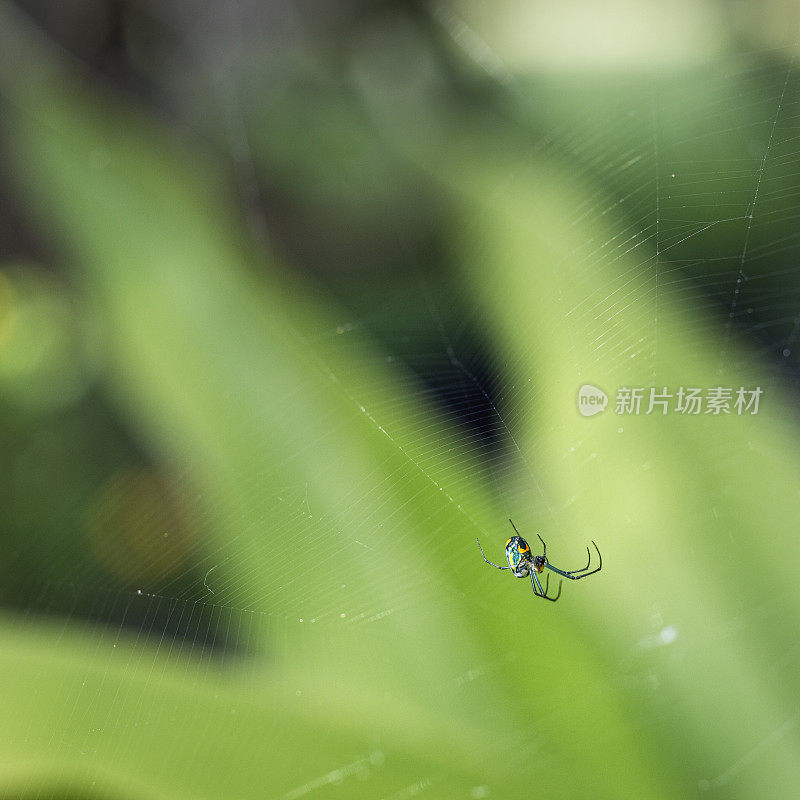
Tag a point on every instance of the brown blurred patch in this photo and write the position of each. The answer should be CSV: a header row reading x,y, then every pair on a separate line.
x,y
141,526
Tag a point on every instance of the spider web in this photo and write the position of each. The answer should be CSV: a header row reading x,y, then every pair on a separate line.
x,y
704,208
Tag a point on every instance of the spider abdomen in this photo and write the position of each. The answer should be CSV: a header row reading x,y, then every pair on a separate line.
x,y
519,557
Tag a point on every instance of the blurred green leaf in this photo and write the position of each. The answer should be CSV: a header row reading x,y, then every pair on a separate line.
x,y
692,511
466,681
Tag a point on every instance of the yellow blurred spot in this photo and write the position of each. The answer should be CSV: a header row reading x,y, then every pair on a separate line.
x,y
44,361
8,314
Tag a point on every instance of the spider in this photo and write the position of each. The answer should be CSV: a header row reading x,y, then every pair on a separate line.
x,y
523,564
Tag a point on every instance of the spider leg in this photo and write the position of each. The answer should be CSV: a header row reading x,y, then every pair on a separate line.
x,y
544,546
487,560
588,564
543,593
571,575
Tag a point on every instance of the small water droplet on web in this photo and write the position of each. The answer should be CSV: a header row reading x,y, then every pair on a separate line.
x,y
668,635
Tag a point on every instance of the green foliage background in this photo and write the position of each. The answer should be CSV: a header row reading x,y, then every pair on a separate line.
x,y
466,685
